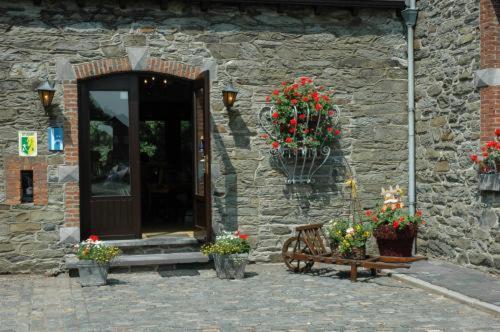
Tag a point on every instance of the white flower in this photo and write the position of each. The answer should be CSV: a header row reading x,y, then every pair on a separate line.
x,y
350,230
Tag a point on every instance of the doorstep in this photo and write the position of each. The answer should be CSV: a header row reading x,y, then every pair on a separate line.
x,y
147,260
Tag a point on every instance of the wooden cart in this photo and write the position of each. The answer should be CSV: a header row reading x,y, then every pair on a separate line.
x,y
308,246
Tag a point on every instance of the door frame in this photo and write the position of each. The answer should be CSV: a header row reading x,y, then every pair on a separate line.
x,y
202,80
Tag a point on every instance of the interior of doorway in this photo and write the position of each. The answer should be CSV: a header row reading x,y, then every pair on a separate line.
x,y
166,142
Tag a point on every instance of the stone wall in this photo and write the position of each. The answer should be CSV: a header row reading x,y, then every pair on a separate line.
x,y
358,53
462,221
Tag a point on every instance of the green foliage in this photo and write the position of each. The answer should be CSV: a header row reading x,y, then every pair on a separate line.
x,y
355,237
227,244
97,252
336,229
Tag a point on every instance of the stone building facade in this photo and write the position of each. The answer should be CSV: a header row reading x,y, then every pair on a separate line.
x,y
361,53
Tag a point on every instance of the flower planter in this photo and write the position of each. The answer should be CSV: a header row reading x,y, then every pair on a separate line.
x,y
356,253
230,266
397,243
92,274
489,182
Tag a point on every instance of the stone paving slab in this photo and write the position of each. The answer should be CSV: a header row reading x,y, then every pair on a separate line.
x,y
269,299
476,284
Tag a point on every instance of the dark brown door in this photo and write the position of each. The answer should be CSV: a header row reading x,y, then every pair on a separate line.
x,y
109,157
202,176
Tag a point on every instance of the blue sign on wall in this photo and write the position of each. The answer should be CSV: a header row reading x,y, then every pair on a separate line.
x,y
55,136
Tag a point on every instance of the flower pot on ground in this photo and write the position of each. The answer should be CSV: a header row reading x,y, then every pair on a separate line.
x,y
230,254
393,227
94,258
230,266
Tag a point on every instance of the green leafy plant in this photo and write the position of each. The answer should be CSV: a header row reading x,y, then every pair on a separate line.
x,y
93,249
227,243
355,237
336,229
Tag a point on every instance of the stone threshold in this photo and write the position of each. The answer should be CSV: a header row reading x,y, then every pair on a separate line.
x,y
147,260
159,241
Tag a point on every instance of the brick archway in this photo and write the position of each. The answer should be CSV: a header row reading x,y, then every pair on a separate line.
x,y
94,69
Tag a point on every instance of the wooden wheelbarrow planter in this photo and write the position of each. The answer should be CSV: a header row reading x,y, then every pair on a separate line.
x,y
307,247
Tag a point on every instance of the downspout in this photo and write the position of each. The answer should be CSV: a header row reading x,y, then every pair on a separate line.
x,y
410,18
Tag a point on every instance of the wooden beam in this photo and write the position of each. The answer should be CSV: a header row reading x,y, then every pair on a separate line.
x,y
37,2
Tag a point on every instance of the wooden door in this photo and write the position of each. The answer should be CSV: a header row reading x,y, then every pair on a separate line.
x,y
109,157
202,154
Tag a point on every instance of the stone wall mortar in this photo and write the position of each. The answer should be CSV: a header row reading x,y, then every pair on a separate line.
x,y
359,54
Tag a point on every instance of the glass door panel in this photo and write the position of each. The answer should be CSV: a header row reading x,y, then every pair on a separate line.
x,y
109,143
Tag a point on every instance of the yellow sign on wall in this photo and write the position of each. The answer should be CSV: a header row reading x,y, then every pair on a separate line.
x,y
28,144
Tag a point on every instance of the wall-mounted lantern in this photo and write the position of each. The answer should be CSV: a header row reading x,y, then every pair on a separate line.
x,y
229,95
46,92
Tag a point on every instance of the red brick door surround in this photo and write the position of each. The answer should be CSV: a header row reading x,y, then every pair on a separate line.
x,y
90,70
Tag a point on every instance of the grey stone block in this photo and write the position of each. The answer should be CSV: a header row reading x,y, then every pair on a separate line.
x,y
64,70
487,77
68,174
138,57
69,235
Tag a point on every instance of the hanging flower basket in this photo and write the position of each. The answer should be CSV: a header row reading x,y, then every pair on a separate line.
x,y
300,124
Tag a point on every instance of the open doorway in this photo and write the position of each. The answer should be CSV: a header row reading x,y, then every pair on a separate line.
x,y
166,156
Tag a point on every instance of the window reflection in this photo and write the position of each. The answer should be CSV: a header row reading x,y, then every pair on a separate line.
x,y
109,143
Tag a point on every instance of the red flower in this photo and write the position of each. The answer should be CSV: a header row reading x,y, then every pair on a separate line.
x,y
395,224
315,96
243,236
318,107
283,83
325,98
294,101
275,115
276,92
473,157
497,132
292,130
402,219
337,132
329,129
306,131
289,140
374,218
264,136
94,238
419,213
490,144
331,113
485,154
293,122
423,222
368,213
305,98
302,116
275,145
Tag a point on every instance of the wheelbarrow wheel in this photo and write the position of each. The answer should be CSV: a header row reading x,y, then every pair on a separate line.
x,y
294,245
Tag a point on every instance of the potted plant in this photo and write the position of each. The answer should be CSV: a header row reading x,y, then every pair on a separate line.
x,y
489,164
230,254
302,116
336,231
353,245
94,258
393,227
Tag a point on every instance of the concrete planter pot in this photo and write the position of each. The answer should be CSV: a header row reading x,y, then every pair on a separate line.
x,y
92,274
489,182
230,266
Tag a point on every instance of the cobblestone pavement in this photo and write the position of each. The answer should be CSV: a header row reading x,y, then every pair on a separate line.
x,y
270,298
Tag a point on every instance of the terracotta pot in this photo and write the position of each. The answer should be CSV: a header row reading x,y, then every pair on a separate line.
x,y
397,243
